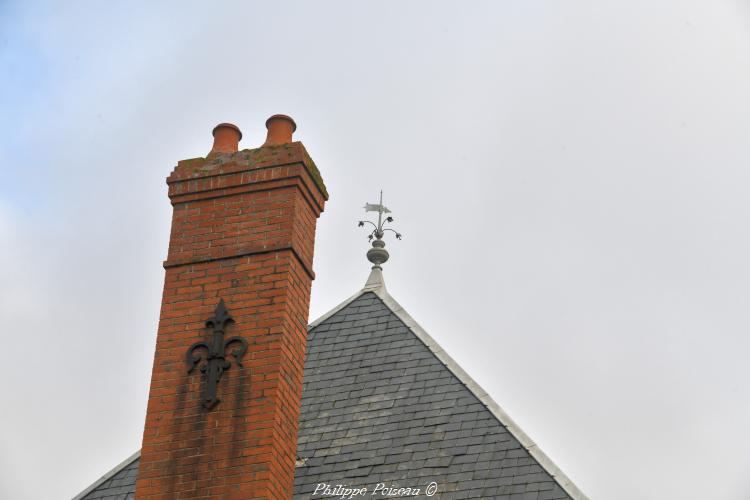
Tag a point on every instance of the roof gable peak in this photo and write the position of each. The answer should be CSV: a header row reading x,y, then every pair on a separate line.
x,y
375,284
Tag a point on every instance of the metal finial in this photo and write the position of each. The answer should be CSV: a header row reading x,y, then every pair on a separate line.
x,y
378,254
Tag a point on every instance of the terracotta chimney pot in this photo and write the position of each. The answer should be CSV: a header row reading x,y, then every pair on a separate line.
x,y
280,130
226,138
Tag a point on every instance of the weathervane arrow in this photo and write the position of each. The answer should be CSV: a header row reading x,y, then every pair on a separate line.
x,y
376,207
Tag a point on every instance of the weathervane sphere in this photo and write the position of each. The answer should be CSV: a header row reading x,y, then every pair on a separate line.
x,y
377,254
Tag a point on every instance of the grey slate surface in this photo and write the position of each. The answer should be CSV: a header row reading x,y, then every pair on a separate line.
x,y
379,407
121,486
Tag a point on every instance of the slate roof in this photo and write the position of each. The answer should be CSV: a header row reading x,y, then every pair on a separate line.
x,y
117,484
382,403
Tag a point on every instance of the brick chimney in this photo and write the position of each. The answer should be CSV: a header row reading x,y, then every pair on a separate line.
x,y
224,403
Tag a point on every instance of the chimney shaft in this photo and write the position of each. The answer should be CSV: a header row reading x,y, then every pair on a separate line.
x,y
241,246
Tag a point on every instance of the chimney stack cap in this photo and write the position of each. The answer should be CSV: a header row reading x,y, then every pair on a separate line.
x,y
226,138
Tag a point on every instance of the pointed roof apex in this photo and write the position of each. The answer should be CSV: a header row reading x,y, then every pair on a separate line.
x,y
375,280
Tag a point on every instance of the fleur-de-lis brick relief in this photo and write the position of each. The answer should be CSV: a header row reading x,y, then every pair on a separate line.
x,y
214,353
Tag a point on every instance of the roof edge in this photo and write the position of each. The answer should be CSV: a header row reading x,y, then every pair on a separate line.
x,y
526,442
132,458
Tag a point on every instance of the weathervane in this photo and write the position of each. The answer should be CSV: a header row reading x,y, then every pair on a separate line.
x,y
215,357
378,254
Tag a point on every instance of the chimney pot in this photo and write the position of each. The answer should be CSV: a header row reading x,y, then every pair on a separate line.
x,y
226,138
280,130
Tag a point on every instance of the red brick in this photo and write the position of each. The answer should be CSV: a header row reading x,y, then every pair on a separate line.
x,y
244,232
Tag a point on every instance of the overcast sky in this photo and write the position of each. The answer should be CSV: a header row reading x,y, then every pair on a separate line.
x,y
572,180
